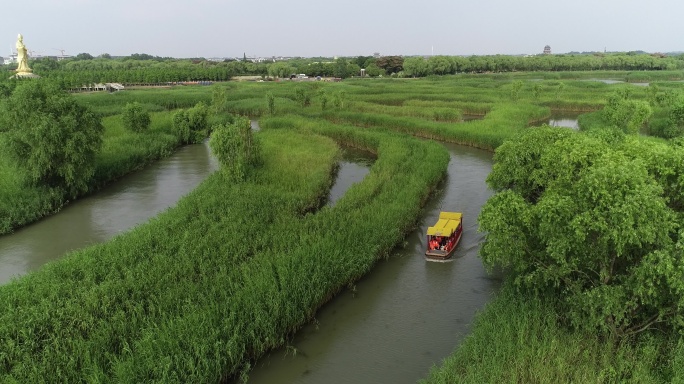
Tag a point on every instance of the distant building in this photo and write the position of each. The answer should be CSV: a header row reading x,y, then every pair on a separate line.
x,y
547,50
11,59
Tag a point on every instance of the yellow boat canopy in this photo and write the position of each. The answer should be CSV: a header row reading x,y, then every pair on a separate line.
x,y
446,225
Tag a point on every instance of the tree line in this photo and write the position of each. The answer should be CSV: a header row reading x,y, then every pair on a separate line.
x,y
84,69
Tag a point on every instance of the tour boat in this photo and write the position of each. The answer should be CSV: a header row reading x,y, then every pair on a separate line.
x,y
444,236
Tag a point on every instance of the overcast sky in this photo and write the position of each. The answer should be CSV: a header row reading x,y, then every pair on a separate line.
x,y
229,28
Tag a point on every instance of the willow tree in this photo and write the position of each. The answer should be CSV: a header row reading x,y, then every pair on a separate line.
x,y
192,125
236,149
135,117
52,138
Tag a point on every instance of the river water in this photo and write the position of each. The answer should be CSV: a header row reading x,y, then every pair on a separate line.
x,y
391,327
116,208
566,120
408,313
353,167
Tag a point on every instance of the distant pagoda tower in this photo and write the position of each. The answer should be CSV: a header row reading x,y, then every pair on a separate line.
x,y
547,50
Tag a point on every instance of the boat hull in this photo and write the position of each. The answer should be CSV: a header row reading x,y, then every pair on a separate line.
x,y
438,254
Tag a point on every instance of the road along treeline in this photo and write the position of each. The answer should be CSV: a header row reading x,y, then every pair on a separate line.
x,y
200,291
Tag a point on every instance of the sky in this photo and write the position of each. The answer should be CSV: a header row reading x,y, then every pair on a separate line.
x,y
308,28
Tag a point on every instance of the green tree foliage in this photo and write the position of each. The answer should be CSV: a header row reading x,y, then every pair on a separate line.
x,y
52,138
45,65
373,70
342,68
236,148
280,70
440,65
135,117
391,64
626,114
148,69
84,56
146,56
415,67
364,61
6,88
675,124
191,125
589,221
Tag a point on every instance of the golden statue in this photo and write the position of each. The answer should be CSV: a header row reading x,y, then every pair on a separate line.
x,y
22,57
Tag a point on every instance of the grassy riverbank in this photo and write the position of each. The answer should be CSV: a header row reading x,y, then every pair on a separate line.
x,y
122,152
200,291
518,339
196,293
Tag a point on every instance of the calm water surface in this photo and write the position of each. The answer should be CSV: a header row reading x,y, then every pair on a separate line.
x,y
129,201
391,327
408,313
354,166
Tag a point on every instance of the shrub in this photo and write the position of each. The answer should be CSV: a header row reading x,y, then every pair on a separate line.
x,y
191,125
236,148
135,117
52,138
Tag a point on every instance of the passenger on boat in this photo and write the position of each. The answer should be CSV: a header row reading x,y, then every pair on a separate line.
x,y
434,244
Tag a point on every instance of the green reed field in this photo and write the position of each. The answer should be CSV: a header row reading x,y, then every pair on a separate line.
x,y
196,293
208,286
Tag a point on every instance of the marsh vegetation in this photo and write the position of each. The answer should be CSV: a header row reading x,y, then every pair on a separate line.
x,y
585,224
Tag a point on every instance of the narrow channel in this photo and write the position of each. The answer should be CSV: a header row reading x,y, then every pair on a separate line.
x,y
116,208
407,314
353,167
392,326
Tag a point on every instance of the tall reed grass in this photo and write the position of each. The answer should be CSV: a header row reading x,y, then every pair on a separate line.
x,y
206,287
196,293
518,339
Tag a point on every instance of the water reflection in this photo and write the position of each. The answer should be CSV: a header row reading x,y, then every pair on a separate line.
x,y
613,81
126,203
407,314
566,122
353,167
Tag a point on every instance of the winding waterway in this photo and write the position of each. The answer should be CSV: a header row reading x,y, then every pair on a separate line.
x,y
408,313
120,206
391,327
